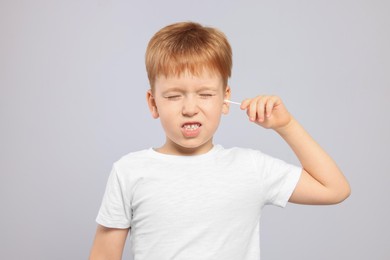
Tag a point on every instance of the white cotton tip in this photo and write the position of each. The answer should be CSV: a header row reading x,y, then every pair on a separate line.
x,y
232,102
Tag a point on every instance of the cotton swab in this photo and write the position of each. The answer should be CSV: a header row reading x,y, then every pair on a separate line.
x,y
232,102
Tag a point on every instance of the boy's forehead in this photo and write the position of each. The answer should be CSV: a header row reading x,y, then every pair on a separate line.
x,y
200,72
188,79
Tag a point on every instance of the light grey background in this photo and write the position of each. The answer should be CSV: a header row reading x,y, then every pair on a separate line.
x,y
72,98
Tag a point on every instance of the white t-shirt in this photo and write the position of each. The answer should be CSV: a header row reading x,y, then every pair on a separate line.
x,y
195,207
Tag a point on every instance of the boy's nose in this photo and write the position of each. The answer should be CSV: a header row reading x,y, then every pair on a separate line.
x,y
190,107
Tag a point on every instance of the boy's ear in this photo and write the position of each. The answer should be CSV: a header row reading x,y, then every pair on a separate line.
x,y
225,106
152,104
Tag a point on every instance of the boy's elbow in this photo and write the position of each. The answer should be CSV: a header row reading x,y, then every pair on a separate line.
x,y
347,192
342,194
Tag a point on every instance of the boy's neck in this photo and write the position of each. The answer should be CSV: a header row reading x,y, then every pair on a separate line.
x,y
172,148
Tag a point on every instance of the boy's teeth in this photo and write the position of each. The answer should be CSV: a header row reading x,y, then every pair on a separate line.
x,y
191,127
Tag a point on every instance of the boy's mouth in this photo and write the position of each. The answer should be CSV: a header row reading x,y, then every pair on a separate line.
x,y
191,129
191,126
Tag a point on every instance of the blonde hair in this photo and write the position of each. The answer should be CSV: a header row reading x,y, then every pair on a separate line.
x,y
188,47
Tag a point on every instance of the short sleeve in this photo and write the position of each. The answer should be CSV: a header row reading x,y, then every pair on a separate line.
x,y
279,179
115,210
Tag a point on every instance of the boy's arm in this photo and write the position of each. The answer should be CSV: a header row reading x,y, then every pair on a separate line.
x,y
321,181
108,243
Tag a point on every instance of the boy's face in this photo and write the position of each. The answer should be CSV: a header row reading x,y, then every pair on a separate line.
x,y
190,109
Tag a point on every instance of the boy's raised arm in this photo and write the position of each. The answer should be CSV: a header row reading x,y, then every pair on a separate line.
x,y
321,181
108,243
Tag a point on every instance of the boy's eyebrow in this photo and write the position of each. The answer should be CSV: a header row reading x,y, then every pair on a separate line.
x,y
173,89
176,89
207,88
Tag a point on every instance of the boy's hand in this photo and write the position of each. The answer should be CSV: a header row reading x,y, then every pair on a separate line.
x,y
321,181
267,111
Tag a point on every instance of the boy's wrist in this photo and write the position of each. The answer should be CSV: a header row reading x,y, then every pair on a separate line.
x,y
288,128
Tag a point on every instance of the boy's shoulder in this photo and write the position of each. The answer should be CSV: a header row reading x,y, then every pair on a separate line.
x,y
135,154
133,158
241,151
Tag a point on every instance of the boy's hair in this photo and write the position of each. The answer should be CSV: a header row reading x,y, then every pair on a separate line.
x,y
188,46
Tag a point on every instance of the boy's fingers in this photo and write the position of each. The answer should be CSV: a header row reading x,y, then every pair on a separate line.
x,y
270,105
261,108
245,103
252,110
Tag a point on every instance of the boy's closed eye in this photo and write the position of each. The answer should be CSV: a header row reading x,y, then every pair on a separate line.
x,y
206,95
173,97
177,97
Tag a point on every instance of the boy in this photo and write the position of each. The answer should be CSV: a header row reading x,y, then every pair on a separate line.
x,y
191,199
